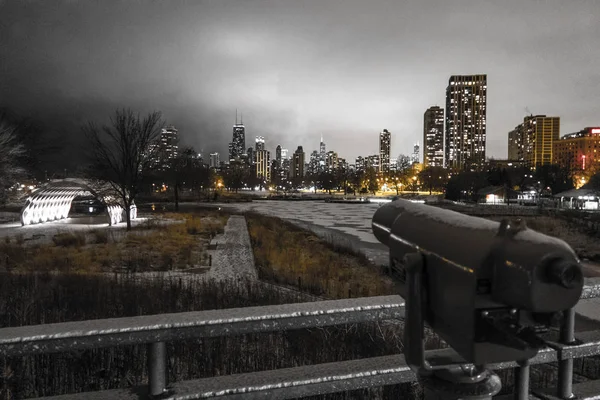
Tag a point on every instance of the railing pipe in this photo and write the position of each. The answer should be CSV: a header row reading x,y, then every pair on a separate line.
x,y
157,369
521,389
565,367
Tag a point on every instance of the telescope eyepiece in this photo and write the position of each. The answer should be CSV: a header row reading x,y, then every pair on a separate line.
x,y
564,273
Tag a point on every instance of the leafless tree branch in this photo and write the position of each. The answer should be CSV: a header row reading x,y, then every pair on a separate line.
x,y
122,150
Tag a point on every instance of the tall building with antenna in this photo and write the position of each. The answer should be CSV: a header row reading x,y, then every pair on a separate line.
x,y
238,143
322,156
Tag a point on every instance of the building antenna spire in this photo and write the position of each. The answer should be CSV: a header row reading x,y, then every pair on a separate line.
x,y
236,116
242,119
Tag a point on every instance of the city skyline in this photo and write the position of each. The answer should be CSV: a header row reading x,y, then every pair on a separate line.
x,y
297,71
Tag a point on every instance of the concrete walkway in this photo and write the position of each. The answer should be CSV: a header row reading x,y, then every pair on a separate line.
x,y
233,257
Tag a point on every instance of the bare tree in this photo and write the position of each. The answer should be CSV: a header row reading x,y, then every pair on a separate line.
x,y
11,152
400,177
122,151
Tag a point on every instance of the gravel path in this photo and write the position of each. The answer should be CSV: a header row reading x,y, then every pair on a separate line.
x,y
233,258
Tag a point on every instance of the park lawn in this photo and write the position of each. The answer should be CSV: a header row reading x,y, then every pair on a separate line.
x,y
289,255
167,242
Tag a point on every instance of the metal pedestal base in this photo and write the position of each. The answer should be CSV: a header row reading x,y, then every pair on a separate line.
x,y
461,383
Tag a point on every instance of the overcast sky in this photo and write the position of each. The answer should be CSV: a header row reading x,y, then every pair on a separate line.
x,y
297,69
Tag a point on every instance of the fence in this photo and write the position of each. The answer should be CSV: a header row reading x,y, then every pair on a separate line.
x,y
156,330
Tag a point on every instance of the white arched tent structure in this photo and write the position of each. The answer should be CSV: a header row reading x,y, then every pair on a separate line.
x,y
53,201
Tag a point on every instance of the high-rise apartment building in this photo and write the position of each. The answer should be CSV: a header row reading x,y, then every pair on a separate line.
x,y
331,161
466,100
539,134
360,163
372,162
165,149
433,137
297,167
579,151
313,163
214,161
385,142
515,144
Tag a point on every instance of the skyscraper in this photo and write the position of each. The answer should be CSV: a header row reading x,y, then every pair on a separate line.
x,y
214,160
466,99
278,155
313,163
322,148
416,155
515,144
385,142
539,134
260,143
238,144
297,167
263,162
433,137
359,163
166,148
331,161
372,162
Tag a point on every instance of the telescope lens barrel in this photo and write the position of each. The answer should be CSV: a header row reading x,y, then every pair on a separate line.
x,y
564,273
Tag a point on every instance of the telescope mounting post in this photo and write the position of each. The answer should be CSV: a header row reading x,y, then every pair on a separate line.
x,y
454,382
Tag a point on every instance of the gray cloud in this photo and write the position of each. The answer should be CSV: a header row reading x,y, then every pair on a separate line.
x,y
299,69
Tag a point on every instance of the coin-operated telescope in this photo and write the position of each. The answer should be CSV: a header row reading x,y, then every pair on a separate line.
x,y
485,287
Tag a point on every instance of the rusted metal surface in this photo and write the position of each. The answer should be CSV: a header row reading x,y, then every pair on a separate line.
x,y
168,327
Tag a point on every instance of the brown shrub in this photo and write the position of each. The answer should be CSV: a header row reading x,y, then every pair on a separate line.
x,y
69,239
286,254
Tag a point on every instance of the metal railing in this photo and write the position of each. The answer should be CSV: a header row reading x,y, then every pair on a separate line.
x,y
155,330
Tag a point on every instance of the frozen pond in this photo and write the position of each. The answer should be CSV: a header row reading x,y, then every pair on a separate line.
x,y
352,219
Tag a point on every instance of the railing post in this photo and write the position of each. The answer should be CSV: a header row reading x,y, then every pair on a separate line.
x,y
157,371
565,367
521,390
